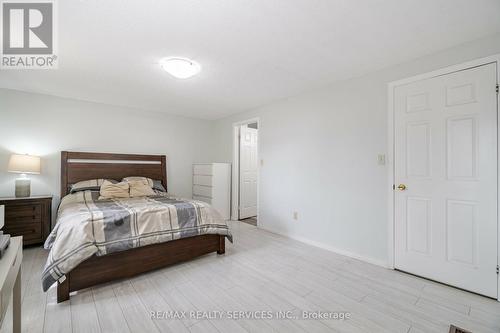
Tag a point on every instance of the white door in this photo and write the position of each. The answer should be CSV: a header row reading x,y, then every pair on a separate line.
x,y
446,156
248,172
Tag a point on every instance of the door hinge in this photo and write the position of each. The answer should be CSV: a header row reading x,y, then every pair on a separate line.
x,y
498,269
498,89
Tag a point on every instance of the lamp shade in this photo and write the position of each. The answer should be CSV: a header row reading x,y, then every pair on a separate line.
x,y
24,164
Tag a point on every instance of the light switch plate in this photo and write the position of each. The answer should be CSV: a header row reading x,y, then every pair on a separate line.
x,y
381,159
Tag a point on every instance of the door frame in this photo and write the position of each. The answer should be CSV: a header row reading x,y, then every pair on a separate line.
x,y
390,148
235,177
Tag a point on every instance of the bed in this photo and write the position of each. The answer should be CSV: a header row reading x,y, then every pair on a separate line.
x,y
88,245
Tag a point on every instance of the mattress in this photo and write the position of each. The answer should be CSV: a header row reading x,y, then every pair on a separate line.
x,y
87,226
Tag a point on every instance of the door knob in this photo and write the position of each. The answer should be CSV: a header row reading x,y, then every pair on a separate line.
x,y
402,187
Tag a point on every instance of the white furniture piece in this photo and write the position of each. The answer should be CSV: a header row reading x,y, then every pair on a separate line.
x,y
212,184
10,282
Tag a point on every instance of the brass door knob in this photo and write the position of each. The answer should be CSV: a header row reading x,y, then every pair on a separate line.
x,y
402,187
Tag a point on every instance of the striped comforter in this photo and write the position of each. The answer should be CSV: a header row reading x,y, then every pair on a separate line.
x,y
87,226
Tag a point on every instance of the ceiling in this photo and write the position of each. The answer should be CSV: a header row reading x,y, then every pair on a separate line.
x,y
252,52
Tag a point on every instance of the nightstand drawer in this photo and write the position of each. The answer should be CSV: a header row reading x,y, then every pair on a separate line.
x,y
28,217
30,232
23,213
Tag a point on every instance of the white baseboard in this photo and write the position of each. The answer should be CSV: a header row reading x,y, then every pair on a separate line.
x,y
370,260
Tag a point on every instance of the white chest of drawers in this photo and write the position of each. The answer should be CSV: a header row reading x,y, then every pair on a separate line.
x,y
212,184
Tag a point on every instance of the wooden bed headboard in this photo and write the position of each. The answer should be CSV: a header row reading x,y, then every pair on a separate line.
x,y
78,166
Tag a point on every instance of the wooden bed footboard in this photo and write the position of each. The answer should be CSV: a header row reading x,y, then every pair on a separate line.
x,y
125,264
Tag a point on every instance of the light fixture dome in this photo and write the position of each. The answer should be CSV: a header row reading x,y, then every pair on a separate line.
x,y
179,67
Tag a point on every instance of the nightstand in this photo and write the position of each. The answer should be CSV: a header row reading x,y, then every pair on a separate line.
x,y
29,217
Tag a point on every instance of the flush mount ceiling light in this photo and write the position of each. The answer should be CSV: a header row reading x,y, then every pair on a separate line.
x,y
181,68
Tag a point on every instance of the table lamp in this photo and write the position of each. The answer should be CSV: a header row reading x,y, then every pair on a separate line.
x,y
24,164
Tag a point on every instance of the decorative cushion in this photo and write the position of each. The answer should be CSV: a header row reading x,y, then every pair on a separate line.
x,y
155,184
111,190
144,180
139,189
91,184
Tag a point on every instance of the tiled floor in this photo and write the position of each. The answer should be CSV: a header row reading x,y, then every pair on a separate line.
x,y
261,271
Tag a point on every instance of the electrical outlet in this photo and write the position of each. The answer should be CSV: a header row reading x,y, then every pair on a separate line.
x,y
295,215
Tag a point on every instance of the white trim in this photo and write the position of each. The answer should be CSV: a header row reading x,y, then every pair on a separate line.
x,y
390,148
235,186
447,70
235,200
82,160
498,180
390,179
370,260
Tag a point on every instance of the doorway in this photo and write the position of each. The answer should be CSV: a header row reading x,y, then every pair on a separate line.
x,y
245,171
443,128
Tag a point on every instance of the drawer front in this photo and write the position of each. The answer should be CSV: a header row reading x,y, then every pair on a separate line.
x,y
202,180
204,199
204,191
202,169
31,232
15,214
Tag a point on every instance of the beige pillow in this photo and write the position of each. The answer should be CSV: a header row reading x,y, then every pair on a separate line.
x,y
139,189
144,180
111,191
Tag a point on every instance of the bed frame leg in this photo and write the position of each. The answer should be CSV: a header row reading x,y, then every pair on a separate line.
x,y
63,290
222,245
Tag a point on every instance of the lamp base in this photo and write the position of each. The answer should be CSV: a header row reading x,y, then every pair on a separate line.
x,y
23,187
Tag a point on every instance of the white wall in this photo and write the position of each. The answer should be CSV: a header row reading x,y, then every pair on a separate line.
x,y
320,157
319,150
44,125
